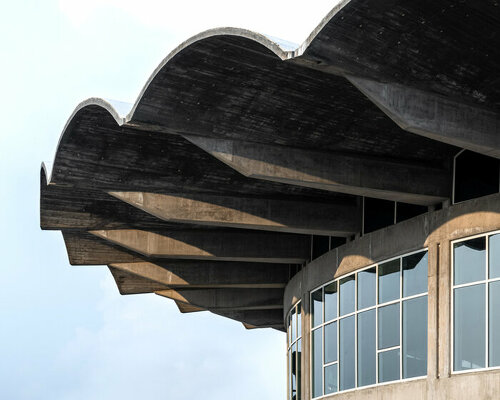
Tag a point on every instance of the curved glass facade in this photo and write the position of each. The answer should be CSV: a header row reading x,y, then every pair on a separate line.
x,y
476,303
370,326
294,344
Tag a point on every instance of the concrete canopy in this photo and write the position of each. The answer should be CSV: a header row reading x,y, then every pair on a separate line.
x,y
234,134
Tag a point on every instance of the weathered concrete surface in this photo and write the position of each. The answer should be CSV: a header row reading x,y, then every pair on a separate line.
x,y
213,245
133,284
234,85
333,219
227,299
371,176
199,274
257,318
187,308
436,117
86,249
434,231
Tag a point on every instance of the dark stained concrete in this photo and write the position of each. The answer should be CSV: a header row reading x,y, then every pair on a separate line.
x,y
376,102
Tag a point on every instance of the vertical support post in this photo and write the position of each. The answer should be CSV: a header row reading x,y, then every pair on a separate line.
x,y
444,350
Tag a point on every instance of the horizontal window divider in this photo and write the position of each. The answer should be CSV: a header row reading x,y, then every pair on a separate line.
x,y
479,235
332,363
472,284
388,303
415,378
414,296
469,371
367,309
389,349
399,276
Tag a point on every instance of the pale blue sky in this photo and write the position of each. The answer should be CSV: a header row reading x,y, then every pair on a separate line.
x,y
65,332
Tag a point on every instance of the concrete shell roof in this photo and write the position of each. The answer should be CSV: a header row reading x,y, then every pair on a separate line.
x,y
329,98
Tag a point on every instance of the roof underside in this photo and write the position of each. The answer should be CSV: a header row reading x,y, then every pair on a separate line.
x,y
237,150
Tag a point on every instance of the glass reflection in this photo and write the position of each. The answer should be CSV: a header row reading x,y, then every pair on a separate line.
x,y
294,372
293,317
367,352
317,361
469,331
317,307
331,301
415,337
415,274
494,324
388,281
388,365
346,353
469,261
330,342
299,367
331,379
299,322
347,293
367,281
494,249
388,326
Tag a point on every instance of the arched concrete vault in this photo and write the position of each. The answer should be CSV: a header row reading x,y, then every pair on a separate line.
x,y
238,148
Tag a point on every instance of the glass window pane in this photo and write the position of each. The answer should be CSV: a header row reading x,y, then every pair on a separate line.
x,y
293,317
294,372
415,337
331,379
494,324
388,326
415,274
290,373
299,367
469,259
367,351
494,248
331,301
299,321
317,307
317,361
347,289
388,281
388,366
470,325
289,329
366,288
330,342
346,353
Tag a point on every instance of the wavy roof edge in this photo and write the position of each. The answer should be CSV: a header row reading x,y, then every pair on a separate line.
x,y
123,112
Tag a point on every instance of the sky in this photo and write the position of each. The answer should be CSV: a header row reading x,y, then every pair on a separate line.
x,y
65,332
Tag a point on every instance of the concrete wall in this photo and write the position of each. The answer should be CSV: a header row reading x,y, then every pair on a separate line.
x,y
434,230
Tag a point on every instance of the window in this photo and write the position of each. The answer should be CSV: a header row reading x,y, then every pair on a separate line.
x,y
294,343
370,326
476,303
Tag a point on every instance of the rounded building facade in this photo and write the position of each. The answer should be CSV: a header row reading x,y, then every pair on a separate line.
x,y
345,190
409,311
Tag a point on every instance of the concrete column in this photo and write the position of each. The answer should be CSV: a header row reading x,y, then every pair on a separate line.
x,y
444,310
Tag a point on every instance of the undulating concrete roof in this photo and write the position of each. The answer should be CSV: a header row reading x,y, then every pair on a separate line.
x,y
239,147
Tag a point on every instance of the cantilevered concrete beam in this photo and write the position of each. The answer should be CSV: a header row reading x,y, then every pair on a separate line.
x,y
86,249
219,245
250,213
256,318
384,178
187,308
436,117
228,299
248,326
209,274
133,284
